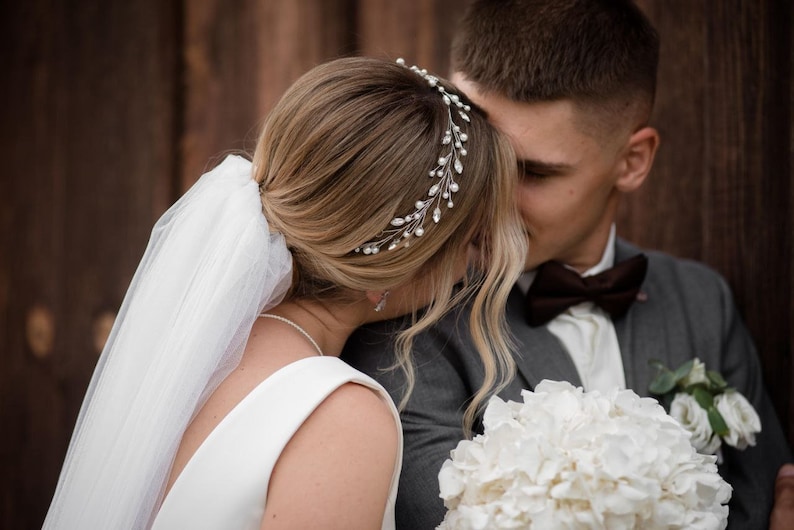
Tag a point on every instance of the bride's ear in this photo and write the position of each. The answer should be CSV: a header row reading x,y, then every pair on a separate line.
x,y
373,296
378,299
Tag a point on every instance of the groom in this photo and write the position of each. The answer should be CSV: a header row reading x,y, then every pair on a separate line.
x,y
571,83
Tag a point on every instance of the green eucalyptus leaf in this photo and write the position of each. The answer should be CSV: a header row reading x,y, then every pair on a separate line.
x,y
716,379
662,383
656,363
703,397
717,422
683,370
690,389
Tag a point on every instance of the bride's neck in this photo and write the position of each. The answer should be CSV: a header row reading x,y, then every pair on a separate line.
x,y
329,324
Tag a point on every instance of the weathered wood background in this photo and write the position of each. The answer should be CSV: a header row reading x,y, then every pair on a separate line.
x,y
111,109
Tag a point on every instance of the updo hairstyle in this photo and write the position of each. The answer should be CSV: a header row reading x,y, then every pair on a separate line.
x,y
347,149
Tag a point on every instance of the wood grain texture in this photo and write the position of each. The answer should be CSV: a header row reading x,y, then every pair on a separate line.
x,y
673,195
786,387
722,182
239,58
419,31
112,109
86,145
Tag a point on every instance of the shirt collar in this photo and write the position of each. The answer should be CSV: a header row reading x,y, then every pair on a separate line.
x,y
607,258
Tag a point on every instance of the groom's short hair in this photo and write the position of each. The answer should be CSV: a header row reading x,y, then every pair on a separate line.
x,y
598,53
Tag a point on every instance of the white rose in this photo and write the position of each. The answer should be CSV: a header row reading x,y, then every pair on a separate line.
x,y
740,417
696,375
694,419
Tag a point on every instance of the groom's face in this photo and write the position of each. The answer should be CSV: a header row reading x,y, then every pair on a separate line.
x,y
566,193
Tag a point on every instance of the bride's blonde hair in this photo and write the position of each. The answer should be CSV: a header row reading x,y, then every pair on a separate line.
x,y
347,149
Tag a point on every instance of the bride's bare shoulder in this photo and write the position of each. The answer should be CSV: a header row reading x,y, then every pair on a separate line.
x,y
338,466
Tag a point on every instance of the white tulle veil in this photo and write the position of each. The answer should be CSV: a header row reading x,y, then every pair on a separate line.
x,y
210,268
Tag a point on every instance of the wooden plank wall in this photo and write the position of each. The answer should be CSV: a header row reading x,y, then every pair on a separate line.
x,y
111,109
721,191
87,127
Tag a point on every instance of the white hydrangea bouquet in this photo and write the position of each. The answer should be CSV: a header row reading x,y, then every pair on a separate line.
x,y
565,458
706,406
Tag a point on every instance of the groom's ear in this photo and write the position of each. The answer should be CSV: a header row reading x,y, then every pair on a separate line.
x,y
637,159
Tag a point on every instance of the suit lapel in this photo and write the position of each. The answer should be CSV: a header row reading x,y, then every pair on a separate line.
x,y
538,354
641,332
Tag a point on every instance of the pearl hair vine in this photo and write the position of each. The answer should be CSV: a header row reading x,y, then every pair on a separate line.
x,y
449,165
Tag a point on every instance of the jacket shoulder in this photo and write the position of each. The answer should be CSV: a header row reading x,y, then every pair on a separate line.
x,y
687,275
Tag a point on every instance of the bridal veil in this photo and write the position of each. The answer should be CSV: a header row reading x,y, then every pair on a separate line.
x,y
211,266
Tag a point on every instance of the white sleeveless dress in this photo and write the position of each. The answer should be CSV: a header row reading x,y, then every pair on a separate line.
x,y
224,485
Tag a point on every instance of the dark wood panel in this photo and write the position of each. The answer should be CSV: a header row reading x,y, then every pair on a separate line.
x,y
673,196
749,174
86,143
240,57
721,188
786,20
112,109
420,31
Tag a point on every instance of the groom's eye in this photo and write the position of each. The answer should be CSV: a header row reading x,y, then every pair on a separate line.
x,y
528,171
531,170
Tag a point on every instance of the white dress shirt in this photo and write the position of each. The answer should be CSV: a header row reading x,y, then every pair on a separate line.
x,y
587,333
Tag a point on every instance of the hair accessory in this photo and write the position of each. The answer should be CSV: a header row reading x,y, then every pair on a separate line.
x,y
381,305
449,165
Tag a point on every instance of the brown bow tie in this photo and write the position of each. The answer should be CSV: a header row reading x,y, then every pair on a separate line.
x,y
557,288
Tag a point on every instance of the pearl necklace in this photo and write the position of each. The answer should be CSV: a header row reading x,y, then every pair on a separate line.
x,y
294,325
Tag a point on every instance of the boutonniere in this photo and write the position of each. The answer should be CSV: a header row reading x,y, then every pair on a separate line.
x,y
706,406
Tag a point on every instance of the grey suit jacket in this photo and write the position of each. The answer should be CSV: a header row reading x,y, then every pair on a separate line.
x,y
689,311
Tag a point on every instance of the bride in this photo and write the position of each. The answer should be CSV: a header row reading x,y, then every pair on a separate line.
x,y
219,400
